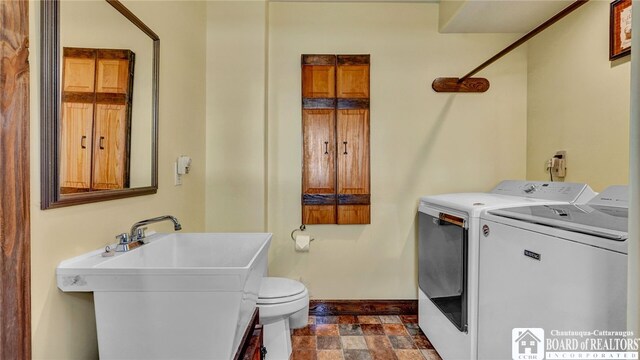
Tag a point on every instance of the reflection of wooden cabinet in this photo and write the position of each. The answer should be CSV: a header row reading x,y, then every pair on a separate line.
x,y
97,87
335,126
76,143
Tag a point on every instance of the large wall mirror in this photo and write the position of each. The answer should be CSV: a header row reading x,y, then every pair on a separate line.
x,y
99,103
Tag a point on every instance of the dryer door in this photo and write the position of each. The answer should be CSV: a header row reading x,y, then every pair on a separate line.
x,y
442,256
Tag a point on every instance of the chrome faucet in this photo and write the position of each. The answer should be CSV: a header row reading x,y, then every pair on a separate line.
x,y
137,232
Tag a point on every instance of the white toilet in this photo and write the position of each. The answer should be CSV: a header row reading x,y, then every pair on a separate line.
x,y
283,305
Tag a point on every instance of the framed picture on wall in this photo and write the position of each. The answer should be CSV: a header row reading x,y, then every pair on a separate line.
x,y
620,29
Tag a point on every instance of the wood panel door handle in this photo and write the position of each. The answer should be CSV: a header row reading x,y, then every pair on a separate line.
x,y
345,147
83,142
101,143
326,147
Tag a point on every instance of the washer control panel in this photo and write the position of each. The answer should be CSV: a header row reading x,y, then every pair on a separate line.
x,y
549,190
616,195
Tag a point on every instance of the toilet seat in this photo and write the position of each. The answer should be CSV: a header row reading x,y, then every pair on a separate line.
x,y
283,299
280,290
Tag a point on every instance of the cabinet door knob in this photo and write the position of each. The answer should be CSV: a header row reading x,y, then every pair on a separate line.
x,y
345,147
101,143
83,143
326,147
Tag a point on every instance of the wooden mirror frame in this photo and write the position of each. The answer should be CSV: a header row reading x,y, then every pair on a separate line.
x,y
50,112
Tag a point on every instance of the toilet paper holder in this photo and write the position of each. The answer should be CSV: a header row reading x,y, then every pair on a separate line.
x,y
301,228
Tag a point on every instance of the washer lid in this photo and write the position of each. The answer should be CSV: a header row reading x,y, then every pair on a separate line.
x,y
603,221
275,287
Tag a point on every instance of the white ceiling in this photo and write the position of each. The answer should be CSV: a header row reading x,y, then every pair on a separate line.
x,y
499,16
484,16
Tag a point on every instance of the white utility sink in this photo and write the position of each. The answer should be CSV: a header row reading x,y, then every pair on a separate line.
x,y
181,296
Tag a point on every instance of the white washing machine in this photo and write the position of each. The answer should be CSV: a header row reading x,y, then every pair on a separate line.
x,y
555,267
448,250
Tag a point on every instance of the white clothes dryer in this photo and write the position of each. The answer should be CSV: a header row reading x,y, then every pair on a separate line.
x,y
448,252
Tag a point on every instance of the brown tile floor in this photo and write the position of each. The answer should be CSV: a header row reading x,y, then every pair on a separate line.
x,y
382,337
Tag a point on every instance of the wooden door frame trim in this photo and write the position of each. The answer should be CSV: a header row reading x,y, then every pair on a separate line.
x,y
15,206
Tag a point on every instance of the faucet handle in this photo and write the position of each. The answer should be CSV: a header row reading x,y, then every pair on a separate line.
x,y
123,238
140,234
123,242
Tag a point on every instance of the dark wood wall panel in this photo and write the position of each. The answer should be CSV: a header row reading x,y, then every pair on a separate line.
x,y
318,103
318,199
353,104
353,59
251,342
354,199
15,312
318,59
363,307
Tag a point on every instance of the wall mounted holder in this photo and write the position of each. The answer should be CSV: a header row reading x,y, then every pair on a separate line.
x,y
452,84
301,228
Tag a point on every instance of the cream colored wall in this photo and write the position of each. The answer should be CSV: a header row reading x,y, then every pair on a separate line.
x,y
63,324
236,78
422,142
578,100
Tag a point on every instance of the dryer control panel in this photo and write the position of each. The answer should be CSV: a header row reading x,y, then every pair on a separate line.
x,y
549,190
